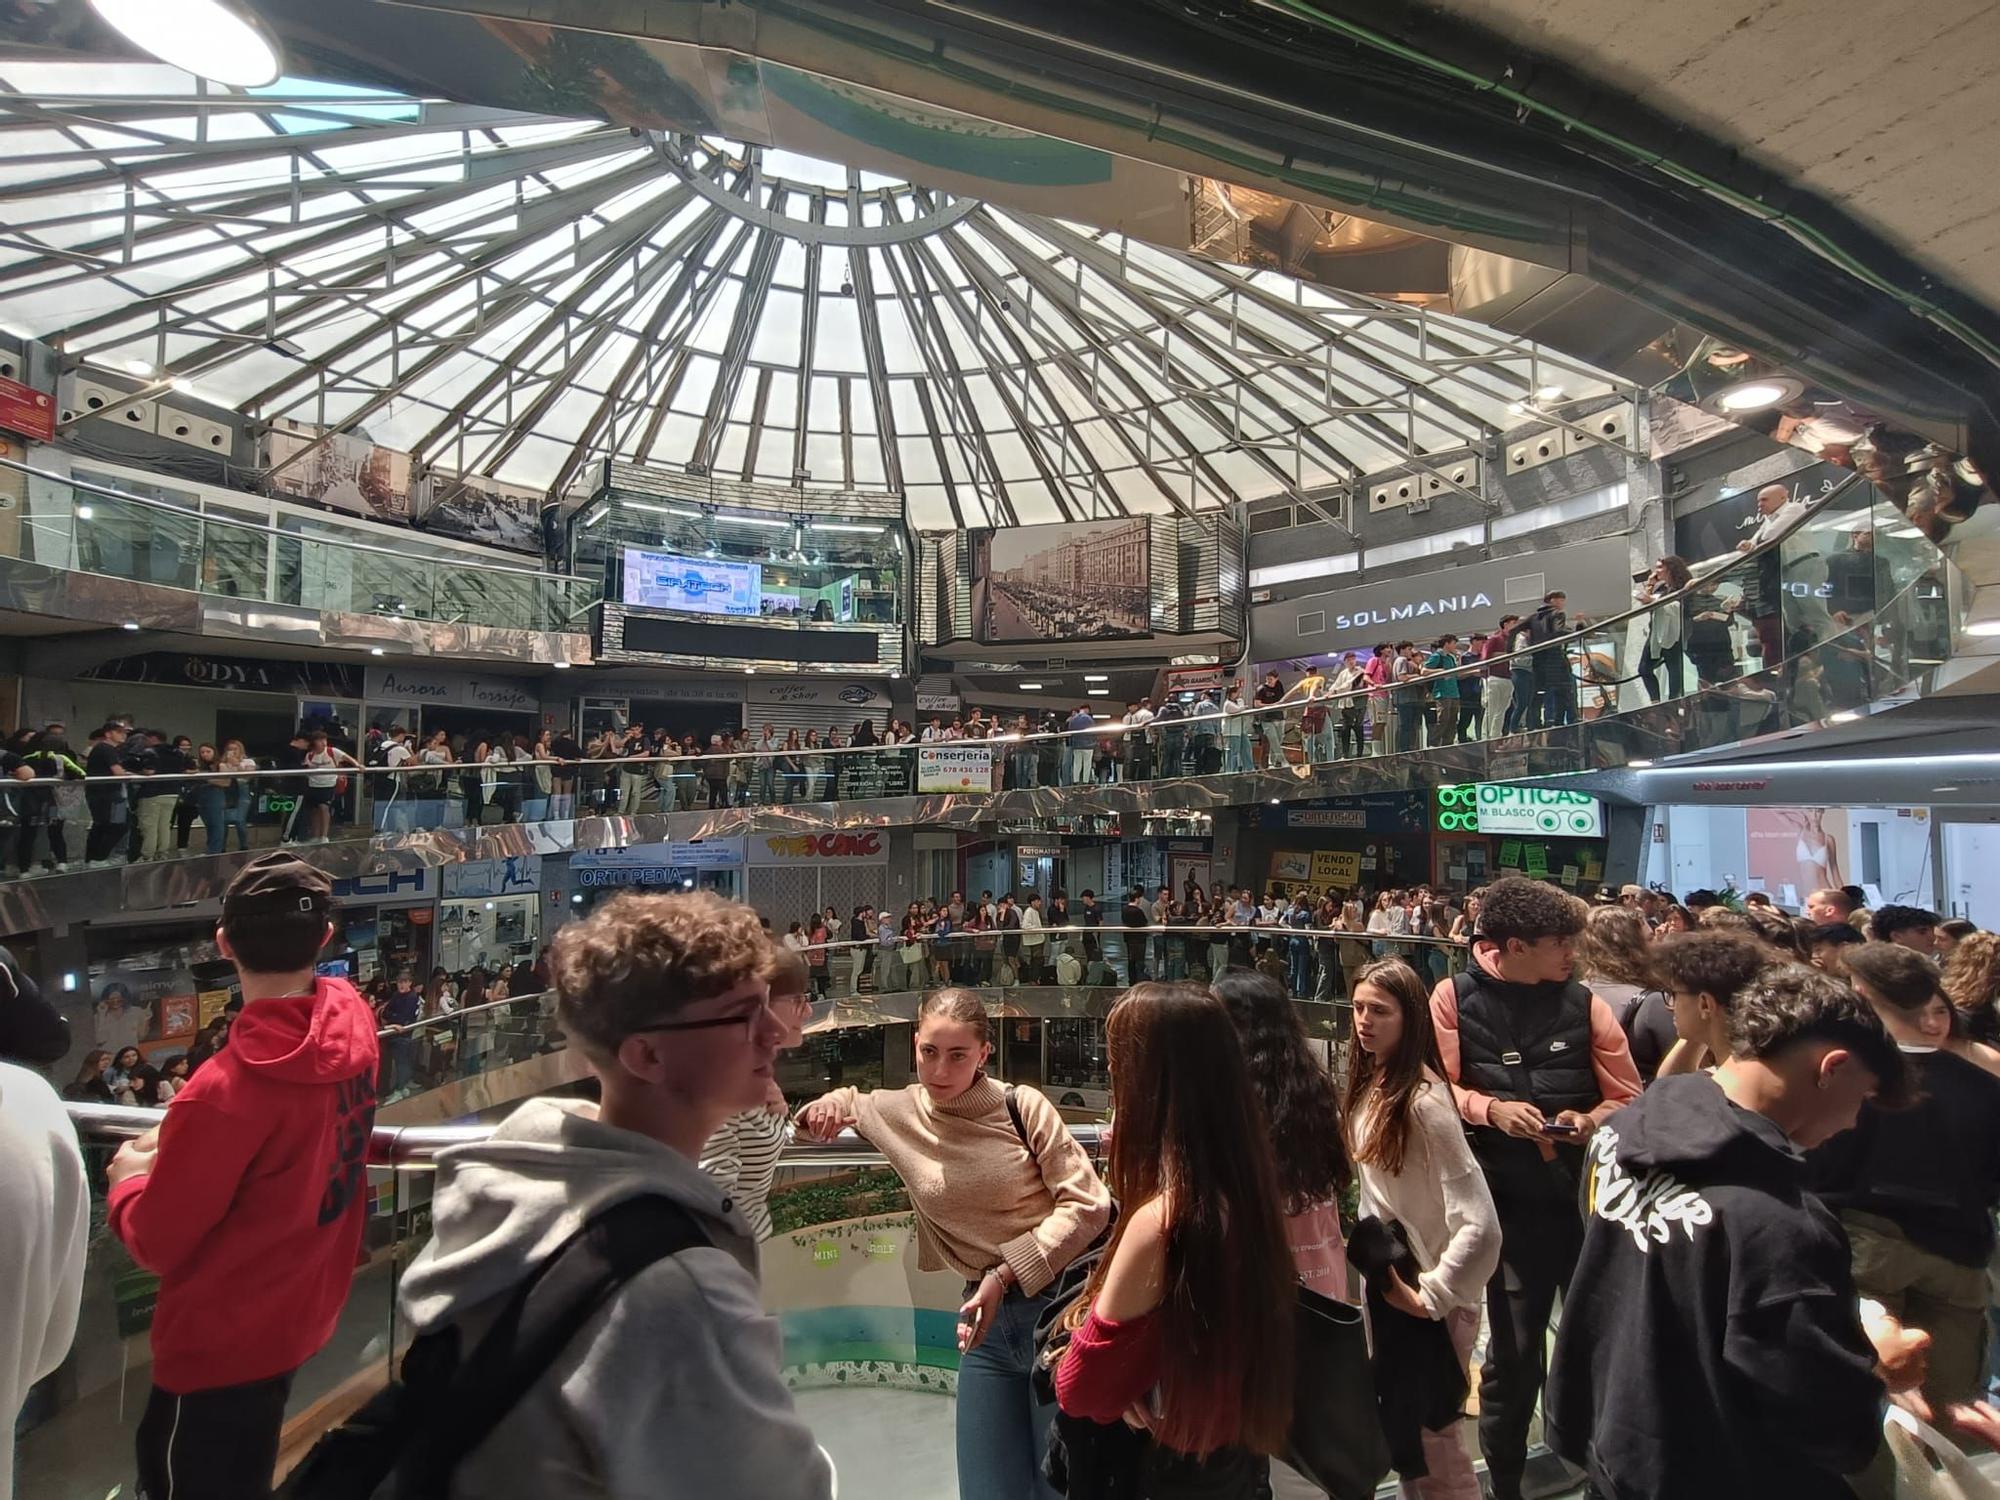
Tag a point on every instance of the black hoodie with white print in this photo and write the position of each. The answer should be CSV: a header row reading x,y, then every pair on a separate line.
x,y
1711,1343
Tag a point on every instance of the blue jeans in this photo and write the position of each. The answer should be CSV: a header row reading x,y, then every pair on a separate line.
x,y
1524,713
209,802
1002,1429
1237,753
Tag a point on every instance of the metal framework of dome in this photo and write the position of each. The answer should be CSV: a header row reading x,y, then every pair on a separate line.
x,y
515,297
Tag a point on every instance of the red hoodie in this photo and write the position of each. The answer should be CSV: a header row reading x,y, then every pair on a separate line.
x,y
252,1214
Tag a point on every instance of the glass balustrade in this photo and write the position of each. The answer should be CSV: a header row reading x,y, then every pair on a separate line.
x,y
93,529
1849,607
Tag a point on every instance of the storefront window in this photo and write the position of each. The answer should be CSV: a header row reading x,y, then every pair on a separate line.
x,y
1079,1067
494,933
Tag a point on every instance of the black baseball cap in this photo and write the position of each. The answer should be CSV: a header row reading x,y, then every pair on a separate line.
x,y
277,884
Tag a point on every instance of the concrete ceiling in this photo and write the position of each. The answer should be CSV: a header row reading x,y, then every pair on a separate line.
x,y
1889,110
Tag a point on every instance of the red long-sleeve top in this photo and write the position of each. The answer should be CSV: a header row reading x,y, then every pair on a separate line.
x,y
1109,1366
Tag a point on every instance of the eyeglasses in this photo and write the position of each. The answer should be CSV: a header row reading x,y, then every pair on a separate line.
x,y
786,1011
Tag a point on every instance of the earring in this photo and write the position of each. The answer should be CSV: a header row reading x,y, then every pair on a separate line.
x,y
1822,1083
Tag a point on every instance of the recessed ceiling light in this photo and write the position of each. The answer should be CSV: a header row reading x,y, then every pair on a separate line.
x,y
1097,692
131,624
1944,788
560,666
1274,802
1095,677
1030,687
205,37
1753,396
1845,716
84,513
376,651
1639,765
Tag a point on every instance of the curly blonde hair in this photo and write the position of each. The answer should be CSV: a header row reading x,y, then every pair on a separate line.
x,y
1972,973
638,960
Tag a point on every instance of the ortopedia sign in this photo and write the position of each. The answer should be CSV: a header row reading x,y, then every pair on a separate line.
x,y
869,847
954,768
1490,807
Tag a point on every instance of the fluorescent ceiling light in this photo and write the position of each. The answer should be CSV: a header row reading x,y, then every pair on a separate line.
x,y
849,530
752,521
1029,687
660,510
1097,692
1638,765
560,666
204,37
1095,677
1845,716
1752,397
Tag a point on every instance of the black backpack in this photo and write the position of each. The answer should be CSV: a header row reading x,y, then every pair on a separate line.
x,y
422,1426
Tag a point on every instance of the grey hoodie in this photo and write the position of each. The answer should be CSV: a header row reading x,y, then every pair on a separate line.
x,y
673,1389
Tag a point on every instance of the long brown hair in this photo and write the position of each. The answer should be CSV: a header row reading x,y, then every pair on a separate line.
x,y
1189,1127
1381,1096
1972,974
1614,945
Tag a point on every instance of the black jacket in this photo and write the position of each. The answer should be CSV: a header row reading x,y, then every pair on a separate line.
x,y
1710,1344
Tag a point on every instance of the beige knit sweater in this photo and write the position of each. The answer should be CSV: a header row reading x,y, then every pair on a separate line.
x,y
980,1196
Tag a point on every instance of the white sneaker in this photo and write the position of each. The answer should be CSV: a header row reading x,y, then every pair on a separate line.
x,y
62,867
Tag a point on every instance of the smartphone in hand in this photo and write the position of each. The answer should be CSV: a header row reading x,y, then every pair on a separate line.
x,y
1557,1127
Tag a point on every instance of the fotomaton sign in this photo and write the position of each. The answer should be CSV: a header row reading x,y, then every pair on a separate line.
x,y
1494,807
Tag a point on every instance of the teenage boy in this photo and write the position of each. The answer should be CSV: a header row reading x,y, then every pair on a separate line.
x,y
1916,1189
1907,927
248,1202
1711,1343
1537,1063
1704,973
670,1386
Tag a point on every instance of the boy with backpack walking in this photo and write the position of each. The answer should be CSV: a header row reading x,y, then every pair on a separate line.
x,y
249,1201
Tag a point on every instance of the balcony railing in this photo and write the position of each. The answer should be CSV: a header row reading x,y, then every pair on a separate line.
x,y
1844,609
87,528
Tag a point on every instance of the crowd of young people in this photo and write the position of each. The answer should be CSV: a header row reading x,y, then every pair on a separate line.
x,y
1711,1232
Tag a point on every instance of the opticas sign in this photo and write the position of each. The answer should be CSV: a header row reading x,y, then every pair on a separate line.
x,y
1489,807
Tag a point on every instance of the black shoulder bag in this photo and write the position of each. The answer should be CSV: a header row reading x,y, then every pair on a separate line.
x,y
422,1426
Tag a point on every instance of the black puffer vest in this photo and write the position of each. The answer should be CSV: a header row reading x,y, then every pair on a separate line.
x,y
1528,1042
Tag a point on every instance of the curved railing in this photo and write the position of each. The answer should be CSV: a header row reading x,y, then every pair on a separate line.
x,y
83,527
1850,605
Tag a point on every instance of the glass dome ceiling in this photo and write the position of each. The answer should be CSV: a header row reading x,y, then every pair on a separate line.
x,y
515,297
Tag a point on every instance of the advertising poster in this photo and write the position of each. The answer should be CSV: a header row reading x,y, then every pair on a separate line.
x,y
485,510
954,768
155,1010
1076,581
695,585
345,472
1291,867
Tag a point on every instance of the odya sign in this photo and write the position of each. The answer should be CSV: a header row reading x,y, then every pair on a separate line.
x,y
1492,807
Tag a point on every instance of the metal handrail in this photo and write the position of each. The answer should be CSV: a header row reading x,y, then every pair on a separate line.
x,y
1009,740
993,934
417,1146
267,528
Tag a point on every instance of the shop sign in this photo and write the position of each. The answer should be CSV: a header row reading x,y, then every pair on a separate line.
x,y
699,854
644,875
512,876
388,887
868,847
241,673
811,693
1193,680
1489,807
414,685
1370,812
954,768
938,703
25,410
1040,851
1336,867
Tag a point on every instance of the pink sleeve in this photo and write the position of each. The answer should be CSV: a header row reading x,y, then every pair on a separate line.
x,y
1611,1057
1472,1104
